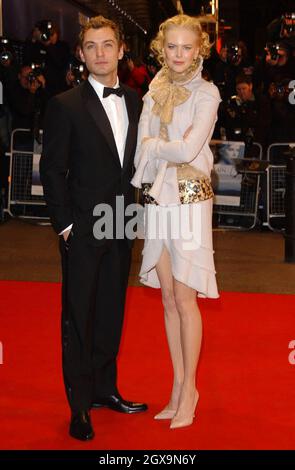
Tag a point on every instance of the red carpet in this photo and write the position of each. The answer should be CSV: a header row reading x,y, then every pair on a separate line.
x,y
245,380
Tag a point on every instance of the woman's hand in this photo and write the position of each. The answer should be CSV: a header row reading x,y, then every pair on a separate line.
x,y
145,139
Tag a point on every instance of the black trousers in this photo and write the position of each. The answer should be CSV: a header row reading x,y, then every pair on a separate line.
x,y
94,286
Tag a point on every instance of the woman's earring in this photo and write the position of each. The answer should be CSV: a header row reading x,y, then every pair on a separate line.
x,y
196,62
165,63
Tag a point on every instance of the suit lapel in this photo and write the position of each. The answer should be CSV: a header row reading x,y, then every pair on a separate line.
x,y
96,109
132,127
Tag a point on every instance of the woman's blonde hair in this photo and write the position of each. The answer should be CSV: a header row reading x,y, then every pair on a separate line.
x,y
184,21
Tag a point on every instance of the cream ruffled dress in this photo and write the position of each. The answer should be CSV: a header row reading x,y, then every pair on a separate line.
x,y
184,229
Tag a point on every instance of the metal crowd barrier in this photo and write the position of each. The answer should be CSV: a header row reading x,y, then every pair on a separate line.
x,y
277,155
25,198
244,216
23,203
276,188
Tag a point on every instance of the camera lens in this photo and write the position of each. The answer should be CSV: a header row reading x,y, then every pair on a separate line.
x,y
45,28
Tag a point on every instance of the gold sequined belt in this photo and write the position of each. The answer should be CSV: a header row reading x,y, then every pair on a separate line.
x,y
193,185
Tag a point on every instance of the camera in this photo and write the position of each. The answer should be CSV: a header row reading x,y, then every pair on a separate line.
x,y
37,70
6,54
288,25
45,28
233,52
281,90
78,72
273,49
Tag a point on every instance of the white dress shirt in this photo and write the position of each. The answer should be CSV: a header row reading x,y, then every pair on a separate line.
x,y
116,111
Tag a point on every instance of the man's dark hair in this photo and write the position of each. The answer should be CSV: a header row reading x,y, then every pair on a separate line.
x,y
244,79
98,22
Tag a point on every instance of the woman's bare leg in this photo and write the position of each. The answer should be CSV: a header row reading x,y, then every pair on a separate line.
x,y
172,325
191,338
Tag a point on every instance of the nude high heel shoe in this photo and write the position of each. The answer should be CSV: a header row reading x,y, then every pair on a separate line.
x,y
183,421
165,414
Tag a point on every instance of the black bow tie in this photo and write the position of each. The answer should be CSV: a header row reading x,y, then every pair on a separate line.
x,y
117,91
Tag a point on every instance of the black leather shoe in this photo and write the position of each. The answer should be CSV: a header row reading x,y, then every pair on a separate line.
x,y
117,403
80,427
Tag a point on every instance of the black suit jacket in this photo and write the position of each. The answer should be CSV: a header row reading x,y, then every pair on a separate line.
x,y
80,165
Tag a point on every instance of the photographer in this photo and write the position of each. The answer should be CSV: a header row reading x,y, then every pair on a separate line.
x,y
275,73
76,71
8,77
233,61
28,98
277,65
245,116
283,28
283,112
221,71
75,75
45,48
8,65
274,76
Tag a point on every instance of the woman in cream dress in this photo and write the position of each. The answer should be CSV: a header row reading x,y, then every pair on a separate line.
x,y
176,126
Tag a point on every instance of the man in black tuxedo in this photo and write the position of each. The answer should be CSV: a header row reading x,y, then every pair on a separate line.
x,y
89,142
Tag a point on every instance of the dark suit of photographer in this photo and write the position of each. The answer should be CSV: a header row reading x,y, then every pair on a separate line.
x,y
233,62
53,55
27,99
8,77
246,116
274,75
277,65
283,112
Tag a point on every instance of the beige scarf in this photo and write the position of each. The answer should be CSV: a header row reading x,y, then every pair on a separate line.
x,y
167,90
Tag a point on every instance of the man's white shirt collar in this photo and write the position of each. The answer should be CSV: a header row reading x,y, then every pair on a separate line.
x,y
98,87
